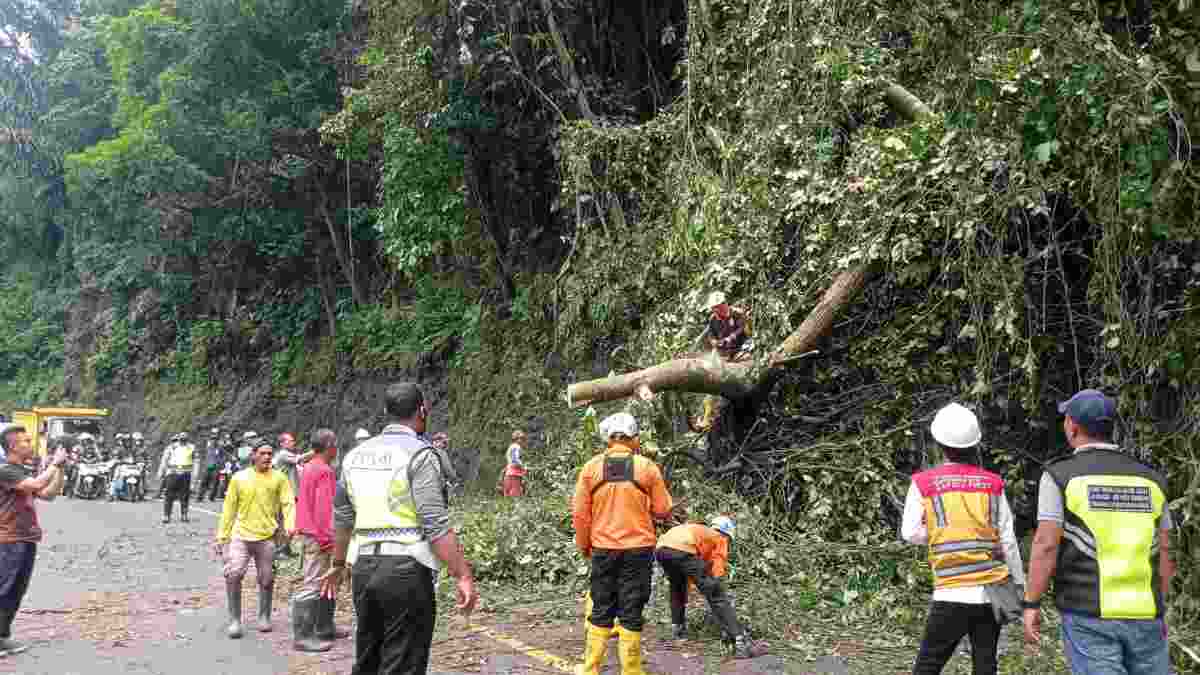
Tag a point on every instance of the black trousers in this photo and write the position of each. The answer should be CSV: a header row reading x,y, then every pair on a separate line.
x,y
179,486
208,484
621,586
396,607
947,624
16,569
679,566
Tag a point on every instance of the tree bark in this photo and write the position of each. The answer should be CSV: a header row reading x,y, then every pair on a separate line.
x,y
326,301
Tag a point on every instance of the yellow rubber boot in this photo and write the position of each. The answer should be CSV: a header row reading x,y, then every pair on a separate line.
x,y
594,650
587,614
630,650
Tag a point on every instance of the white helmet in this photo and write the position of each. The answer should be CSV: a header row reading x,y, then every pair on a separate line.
x,y
621,423
85,436
249,435
362,434
955,427
715,298
725,525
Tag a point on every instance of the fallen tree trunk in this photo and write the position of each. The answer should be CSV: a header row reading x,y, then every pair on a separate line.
x,y
713,375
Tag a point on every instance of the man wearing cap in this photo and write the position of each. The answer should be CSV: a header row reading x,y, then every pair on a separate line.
x,y
960,511
1104,536
728,328
618,495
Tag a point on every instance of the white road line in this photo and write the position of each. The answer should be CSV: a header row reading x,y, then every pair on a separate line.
x,y
211,513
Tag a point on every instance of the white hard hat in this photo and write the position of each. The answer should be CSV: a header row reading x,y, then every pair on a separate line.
x,y
85,436
249,435
137,436
361,434
621,423
724,525
955,427
715,298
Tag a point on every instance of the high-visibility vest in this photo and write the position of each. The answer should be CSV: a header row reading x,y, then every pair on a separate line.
x,y
182,456
376,478
962,514
1108,559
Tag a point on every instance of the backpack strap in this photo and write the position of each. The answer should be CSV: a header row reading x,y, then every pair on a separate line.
x,y
618,470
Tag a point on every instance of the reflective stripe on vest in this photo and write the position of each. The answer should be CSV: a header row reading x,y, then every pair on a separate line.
x,y
962,513
376,478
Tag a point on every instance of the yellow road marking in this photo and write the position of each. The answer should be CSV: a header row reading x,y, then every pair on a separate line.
x,y
552,660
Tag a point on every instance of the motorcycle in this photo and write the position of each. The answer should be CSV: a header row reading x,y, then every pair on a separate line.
x,y
131,476
91,479
228,468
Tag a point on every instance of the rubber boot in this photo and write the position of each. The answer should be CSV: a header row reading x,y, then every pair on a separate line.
x,y
233,596
183,516
745,648
8,646
304,616
630,650
595,650
326,627
265,597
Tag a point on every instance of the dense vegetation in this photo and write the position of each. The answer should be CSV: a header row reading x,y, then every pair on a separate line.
x,y
525,194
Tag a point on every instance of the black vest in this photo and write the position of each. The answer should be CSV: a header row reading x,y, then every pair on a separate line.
x,y
1108,557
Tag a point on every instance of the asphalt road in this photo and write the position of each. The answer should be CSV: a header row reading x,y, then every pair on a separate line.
x,y
115,591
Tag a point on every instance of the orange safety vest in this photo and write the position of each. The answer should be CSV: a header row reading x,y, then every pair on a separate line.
x,y
962,515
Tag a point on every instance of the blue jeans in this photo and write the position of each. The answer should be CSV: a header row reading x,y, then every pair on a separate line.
x,y
1115,646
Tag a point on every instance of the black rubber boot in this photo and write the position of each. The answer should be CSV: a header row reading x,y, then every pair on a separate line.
x,y
326,628
304,616
265,597
233,596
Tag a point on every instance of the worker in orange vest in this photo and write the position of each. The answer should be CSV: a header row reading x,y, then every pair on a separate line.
x,y
618,495
700,554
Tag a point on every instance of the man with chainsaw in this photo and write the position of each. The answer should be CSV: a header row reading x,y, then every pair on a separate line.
x,y
618,495
960,511
728,335
699,554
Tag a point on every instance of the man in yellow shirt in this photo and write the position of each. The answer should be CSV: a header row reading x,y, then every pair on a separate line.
x,y
247,530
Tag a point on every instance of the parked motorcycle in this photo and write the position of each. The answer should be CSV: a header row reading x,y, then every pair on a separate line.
x,y
91,479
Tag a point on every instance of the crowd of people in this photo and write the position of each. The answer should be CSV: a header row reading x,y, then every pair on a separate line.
x,y
381,513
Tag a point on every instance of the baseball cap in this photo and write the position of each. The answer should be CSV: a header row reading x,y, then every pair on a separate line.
x,y
1091,409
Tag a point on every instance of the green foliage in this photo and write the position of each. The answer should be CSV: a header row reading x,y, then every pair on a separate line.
x,y
526,541
287,361
379,338
111,355
422,207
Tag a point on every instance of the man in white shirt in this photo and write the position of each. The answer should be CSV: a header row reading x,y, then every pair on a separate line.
x,y
959,510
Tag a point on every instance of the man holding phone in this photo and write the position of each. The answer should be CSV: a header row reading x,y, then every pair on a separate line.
x,y
19,529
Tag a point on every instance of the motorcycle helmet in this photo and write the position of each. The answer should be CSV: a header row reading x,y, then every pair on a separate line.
x,y
249,436
362,434
216,431
85,437
137,437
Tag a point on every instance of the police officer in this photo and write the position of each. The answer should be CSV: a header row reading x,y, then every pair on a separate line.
x,y
390,512
1103,535
179,477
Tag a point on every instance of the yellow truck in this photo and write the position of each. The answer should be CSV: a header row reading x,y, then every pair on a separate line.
x,y
44,424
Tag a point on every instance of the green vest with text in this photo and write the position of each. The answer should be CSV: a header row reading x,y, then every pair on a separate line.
x,y
1108,558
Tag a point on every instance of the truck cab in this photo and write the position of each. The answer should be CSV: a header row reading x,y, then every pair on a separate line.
x,y
46,424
